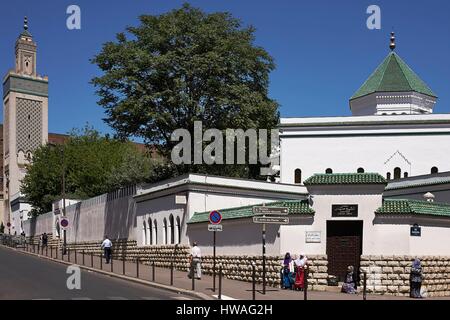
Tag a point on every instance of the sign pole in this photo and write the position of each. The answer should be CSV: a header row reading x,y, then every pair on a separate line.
x,y
214,261
264,256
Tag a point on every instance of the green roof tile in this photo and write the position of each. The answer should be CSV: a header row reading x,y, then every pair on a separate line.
x,y
393,75
345,178
397,206
295,207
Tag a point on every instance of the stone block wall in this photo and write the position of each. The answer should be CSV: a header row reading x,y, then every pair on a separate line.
x,y
390,274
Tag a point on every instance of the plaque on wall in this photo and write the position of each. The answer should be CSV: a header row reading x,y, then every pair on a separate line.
x,y
312,237
416,231
344,210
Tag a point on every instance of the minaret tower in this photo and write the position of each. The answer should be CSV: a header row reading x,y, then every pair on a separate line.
x,y
25,128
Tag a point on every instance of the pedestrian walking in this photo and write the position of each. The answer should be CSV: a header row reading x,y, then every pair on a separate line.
x,y
44,239
195,261
300,265
107,248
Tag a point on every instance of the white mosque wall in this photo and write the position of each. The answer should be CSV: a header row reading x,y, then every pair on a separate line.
x,y
414,149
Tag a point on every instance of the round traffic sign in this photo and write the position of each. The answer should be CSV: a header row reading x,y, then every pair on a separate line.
x,y
215,217
64,222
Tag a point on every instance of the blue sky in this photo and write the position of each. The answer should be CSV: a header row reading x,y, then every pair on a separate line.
x,y
322,49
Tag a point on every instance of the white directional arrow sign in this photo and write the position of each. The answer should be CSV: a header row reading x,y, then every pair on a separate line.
x,y
271,220
279,211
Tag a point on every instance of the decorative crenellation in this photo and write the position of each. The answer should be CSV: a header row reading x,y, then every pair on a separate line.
x,y
390,274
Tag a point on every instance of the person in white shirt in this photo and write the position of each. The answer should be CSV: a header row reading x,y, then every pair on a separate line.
x,y
196,260
107,247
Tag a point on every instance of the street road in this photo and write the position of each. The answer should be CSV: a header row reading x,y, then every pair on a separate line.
x,y
25,277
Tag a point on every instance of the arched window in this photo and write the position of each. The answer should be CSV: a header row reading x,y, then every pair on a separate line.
x,y
434,170
388,176
155,232
360,170
397,173
179,229
172,229
144,233
165,233
329,171
150,232
298,176
405,175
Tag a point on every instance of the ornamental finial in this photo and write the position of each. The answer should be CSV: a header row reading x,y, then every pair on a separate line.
x,y
25,23
392,45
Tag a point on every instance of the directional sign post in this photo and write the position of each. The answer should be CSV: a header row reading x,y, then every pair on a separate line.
x,y
272,215
215,217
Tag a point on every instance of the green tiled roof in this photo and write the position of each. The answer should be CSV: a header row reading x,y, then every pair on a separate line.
x,y
394,206
346,178
393,75
294,206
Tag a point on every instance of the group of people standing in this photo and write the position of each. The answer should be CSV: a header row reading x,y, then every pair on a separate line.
x,y
293,272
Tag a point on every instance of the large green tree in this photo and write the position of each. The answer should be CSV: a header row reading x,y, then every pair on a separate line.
x,y
185,66
92,165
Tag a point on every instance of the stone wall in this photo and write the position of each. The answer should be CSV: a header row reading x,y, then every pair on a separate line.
x,y
233,267
390,274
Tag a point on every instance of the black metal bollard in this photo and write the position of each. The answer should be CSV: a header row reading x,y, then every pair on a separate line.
x,y
82,256
365,286
76,259
51,252
153,271
220,282
46,251
56,250
253,280
38,249
123,265
171,274
68,254
193,276
101,262
305,289
137,267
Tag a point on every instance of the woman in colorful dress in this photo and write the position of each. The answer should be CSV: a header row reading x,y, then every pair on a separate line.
x,y
349,285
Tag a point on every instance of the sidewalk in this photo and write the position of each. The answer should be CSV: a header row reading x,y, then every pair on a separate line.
x,y
231,289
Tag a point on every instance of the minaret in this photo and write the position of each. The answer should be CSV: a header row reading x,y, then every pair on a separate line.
x,y
25,128
393,89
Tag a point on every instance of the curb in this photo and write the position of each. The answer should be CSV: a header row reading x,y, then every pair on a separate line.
x,y
198,295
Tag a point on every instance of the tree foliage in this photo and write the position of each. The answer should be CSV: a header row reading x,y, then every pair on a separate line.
x,y
185,66
92,165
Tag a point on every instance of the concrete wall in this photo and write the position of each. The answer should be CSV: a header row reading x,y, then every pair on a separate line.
x,y
111,214
38,225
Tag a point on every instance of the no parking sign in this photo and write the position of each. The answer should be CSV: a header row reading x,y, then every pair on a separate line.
x,y
215,217
64,223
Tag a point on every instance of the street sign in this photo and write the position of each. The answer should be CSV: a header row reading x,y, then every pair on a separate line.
x,y
64,222
280,211
416,231
215,217
271,220
215,227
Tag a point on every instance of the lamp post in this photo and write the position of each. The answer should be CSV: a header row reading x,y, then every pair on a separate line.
x,y
63,194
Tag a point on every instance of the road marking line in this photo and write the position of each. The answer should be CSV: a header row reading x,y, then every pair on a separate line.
x,y
117,298
42,299
181,298
81,298
224,297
